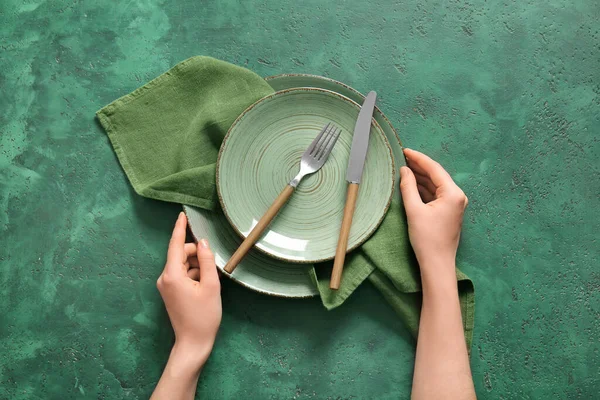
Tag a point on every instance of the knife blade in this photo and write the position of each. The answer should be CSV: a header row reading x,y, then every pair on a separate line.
x,y
360,140
356,164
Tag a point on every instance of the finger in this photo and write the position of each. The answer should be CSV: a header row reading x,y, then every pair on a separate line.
x,y
176,252
193,262
426,166
208,268
415,168
425,182
426,195
190,250
194,273
408,187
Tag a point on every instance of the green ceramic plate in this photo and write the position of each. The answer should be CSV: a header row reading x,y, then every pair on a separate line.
x,y
261,154
289,81
257,271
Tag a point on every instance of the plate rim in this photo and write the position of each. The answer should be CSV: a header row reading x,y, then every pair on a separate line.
x,y
299,90
241,282
320,77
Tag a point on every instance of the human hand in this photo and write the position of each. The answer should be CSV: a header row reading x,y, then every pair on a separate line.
x,y
191,291
434,207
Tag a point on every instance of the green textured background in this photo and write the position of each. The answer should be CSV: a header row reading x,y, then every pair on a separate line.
x,y
505,94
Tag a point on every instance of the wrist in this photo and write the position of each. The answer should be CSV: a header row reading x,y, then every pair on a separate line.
x,y
180,376
186,360
437,271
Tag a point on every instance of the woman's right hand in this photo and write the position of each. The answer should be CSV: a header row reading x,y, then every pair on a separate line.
x,y
434,207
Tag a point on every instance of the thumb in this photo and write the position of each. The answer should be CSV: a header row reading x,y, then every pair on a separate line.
x,y
208,269
409,190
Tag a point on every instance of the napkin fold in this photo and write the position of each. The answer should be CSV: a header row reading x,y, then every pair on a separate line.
x,y
167,135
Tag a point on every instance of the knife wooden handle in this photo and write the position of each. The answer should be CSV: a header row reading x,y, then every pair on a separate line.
x,y
340,253
260,227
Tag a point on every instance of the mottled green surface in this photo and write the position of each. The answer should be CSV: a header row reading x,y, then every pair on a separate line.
x,y
505,94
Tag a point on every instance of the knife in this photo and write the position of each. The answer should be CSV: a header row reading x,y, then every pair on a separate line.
x,y
358,154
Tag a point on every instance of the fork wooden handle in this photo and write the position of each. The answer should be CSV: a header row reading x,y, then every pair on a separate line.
x,y
260,227
340,253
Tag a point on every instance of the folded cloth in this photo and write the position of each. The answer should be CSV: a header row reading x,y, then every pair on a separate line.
x,y
388,262
167,135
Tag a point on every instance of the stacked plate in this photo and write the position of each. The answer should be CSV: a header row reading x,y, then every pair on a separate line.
x,y
259,157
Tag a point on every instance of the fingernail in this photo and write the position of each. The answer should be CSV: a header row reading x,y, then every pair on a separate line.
x,y
403,171
181,214
204,243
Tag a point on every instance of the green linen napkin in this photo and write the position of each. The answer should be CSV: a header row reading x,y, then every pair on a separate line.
x,y
388,262
167,135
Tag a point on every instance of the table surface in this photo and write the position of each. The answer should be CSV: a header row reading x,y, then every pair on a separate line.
x,y
505,94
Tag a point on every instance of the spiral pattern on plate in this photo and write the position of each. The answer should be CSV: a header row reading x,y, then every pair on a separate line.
x,y
261,154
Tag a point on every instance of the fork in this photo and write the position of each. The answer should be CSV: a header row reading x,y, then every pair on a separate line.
x,y
312,160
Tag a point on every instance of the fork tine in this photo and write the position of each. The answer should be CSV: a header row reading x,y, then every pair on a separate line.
x,y
330,145
323,141
316,140
323,145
